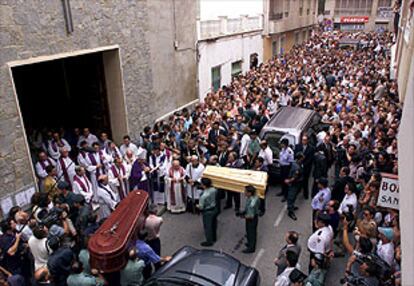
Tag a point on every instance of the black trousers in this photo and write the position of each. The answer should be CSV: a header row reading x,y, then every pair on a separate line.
x,y
251,232
291,197
305,184
210,225
284,174
233,196
155,244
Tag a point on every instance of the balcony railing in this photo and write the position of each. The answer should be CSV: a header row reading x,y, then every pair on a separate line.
x,y
352,11
224,26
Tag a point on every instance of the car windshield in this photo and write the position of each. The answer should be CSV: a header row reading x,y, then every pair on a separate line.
x,y
273,140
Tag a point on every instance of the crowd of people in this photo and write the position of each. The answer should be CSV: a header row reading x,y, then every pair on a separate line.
x,y
83,177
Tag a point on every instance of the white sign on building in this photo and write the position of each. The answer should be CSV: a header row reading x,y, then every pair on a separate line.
x,y
389,194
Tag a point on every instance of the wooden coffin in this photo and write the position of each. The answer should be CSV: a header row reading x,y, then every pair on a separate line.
x,y
108,247
236,179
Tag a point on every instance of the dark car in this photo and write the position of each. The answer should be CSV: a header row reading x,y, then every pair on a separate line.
x,y
190,266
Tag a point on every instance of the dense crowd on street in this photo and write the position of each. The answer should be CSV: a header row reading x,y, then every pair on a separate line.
x,y
83,177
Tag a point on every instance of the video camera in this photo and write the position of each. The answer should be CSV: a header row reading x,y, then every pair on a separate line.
x,y
52,217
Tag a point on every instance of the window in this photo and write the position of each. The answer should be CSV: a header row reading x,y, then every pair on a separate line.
x,y
286,7
276,10
216,77
282,44
301,7
236,68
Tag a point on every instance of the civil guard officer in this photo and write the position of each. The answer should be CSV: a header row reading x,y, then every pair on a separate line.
x,y
251,215
208,207
321,241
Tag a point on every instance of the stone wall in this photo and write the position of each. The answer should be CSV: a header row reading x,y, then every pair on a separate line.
x,y
31,28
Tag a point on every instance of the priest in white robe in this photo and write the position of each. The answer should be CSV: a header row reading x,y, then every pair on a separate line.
x,y
118,178
65,167
88,137
107,198
41,165
55,145
194,173
175,188
82,185
158,164
96,165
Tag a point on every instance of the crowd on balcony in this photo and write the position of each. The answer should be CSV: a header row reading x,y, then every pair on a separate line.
x,y
82,178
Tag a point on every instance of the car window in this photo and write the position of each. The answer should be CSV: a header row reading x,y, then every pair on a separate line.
x,y
273,140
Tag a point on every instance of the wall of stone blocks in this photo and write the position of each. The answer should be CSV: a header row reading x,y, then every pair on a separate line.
x,y
147,38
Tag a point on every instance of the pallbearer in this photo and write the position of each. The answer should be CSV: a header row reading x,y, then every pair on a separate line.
x,y
208,208
251,215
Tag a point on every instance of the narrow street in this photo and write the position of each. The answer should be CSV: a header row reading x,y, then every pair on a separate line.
x,y
186,229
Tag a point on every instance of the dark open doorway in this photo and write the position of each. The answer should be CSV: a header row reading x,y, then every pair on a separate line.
x,y
64,93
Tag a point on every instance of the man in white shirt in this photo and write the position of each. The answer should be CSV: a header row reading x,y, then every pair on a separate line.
x,y
88,137
128,145
244,143
39,247
292,259
321,241
385,246
266,153
350,199
152,226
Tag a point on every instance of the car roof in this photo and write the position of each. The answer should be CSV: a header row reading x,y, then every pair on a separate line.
x,y
290,118
206,267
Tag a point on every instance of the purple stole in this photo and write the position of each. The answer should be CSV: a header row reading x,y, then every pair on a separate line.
x,y
42,163
54,146
108,191
94,162
77,179
121,189
65,171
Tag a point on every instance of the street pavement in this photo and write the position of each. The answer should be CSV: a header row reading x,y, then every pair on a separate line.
x,y
179,230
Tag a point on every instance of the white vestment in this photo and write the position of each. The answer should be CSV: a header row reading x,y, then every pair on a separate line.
x,y
69,165
159,165
118,179
53,148
194,174
41,167
107,200
82,185
90,139
174,191
93,170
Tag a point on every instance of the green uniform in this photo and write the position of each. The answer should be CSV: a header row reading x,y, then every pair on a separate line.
x,y
84,259
208,207
131,275
83,279
251,212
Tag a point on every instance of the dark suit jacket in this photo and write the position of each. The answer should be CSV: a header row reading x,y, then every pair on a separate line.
x,y
213,137
309,155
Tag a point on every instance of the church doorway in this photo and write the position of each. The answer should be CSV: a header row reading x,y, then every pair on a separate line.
x,y
72,90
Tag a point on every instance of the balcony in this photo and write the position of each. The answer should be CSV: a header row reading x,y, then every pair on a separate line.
x,y
352,11
224,26
291,23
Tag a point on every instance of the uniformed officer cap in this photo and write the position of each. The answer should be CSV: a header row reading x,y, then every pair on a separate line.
x,y
324,217
300,155
323,181
250,189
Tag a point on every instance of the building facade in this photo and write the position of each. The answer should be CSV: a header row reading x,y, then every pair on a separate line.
x,y
113,66
402,67
287,23
225,49
360,15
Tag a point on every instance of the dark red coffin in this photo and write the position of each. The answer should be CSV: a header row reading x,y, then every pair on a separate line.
x,y
109,245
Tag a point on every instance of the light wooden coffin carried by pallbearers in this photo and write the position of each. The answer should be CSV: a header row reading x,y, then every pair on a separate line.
x,y
109,245
236,179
